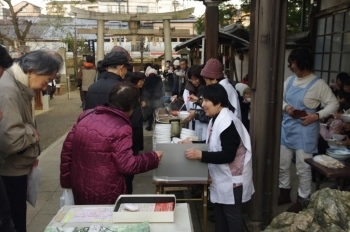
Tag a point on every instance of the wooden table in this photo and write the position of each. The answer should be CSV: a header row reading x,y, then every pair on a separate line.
x,y
340,174
162,184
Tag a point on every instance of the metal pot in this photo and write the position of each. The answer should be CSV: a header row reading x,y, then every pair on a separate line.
x,y
167,119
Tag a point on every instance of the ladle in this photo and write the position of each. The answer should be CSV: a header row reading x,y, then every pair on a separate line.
x,y
182,107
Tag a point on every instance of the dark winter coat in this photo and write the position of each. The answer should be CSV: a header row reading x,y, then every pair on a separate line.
x,y
98,94
97,153
153,91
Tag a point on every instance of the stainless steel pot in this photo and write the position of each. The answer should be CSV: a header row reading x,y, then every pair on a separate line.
x,y
167,119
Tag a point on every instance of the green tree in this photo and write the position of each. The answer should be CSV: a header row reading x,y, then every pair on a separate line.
x,y
294,14
227,13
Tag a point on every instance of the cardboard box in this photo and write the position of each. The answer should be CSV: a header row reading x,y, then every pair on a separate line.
x,y
163,216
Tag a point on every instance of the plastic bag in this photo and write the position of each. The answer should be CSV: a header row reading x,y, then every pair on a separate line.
x,y
67,198
33,184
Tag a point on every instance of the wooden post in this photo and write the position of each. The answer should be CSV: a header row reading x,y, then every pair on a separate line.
x,y
266,66
38,100
211,29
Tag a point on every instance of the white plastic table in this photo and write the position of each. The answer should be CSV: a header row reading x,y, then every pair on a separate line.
x,y
183,221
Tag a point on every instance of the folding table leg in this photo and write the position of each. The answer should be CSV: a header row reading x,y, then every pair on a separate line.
x,y
205,203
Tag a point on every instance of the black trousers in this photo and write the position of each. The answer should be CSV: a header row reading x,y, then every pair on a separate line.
x,y
6,223
228,218
128,181
16,188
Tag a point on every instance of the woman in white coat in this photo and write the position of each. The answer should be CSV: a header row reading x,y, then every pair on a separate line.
x,y
229,160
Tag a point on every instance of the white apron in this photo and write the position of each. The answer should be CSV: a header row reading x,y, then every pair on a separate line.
x,y
221,189
200,128
232,97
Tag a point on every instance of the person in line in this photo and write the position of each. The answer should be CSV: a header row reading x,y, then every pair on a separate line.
x,y
177,68
58,83
87,75
229,160
51,88
303,93
19,143
137,79
6,222
182,74
117,66
101,142
152,95
170,79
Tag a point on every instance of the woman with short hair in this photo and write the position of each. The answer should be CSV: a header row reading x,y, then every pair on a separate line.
x,y
229,160
19,143
98,150
195,86
302,95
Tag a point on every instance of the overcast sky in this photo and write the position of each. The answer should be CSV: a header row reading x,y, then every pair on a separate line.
x,y
199,7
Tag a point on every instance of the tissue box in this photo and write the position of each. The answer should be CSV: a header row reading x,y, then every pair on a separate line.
x,y
142,216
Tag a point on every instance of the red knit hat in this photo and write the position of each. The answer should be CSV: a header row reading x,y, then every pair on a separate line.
x,y
213,69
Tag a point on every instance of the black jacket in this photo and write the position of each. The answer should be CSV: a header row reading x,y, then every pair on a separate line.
x,y
98,94
153,91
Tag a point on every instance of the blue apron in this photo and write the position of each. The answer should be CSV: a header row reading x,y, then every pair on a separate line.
x,y
294,134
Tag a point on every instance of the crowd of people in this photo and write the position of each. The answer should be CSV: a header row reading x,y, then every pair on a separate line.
x,y
102,152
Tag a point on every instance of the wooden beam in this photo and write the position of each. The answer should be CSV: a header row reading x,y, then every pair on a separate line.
x,y
211,30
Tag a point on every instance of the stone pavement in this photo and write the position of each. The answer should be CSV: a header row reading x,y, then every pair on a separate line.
x,y
53,126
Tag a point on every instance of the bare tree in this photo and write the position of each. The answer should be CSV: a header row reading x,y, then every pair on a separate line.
x,y
20,33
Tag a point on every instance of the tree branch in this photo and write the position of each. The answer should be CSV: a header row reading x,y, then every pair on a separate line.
x,y
26,30
14,19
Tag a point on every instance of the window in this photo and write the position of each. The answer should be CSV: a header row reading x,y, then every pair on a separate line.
x,y
183,39
332,46
142,9
173,39
24,10
115,9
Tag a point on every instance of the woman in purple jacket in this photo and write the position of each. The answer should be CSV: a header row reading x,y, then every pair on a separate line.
x,y
97,152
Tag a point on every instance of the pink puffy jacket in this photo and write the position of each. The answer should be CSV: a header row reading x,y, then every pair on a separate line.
x,y
97,153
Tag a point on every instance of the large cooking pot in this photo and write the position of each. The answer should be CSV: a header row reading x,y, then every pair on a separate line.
x,y
168,119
